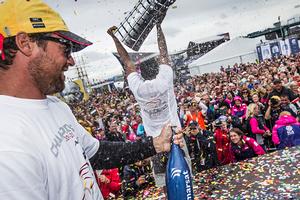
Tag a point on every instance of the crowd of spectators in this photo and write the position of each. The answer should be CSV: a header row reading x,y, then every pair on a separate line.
x,y
240,112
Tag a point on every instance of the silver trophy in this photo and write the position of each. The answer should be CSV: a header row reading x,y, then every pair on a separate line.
x,y
139,22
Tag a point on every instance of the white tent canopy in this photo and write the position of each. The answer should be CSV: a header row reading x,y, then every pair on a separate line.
x,y
237,50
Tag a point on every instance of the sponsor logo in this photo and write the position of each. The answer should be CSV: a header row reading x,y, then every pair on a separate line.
x,y
175,172
188,184
39,25
35,19
289,130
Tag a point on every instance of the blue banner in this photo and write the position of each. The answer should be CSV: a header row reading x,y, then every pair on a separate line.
x,y
275,49
285,47
259,54
294,45
266,51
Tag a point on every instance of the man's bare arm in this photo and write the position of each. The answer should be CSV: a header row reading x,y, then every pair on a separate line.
x,y
129,65
162,45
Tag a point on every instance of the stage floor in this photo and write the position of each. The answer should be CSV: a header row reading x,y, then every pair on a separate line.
x,y
272,176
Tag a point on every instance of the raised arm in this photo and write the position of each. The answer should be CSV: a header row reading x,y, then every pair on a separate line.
x,y
162,45
129,65
115,154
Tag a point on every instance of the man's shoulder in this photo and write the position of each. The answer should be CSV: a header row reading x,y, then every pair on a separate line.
x,y
287,90
273,92
132,75
165,67
54,99
57,101
133,79
165,72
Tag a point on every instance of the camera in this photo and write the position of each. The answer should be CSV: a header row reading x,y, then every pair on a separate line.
x,y
93,112
274,101
218,123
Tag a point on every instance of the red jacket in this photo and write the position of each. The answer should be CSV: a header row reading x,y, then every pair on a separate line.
x,y
223,146
134,126
115,182
125,128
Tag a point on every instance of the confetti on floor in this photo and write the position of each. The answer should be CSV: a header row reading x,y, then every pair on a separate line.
x,y
272,176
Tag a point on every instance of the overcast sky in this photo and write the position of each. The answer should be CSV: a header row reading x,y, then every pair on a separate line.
x,y
186,20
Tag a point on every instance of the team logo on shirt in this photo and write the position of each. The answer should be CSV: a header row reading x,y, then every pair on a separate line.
x,y
289,130
153,104
64,133
155,108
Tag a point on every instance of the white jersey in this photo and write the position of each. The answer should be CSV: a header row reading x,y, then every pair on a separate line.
x,y
44,152
156,98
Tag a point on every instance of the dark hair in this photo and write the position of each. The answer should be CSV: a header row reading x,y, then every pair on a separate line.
x,y
284,95
246,91
224,103
149,69
237,131
10,48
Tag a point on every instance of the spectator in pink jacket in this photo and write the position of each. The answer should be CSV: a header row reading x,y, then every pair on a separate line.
x,y
239,109
243,147
257,126
286,132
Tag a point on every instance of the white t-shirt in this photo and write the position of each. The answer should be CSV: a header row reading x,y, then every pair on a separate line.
x,y
156,98
44,152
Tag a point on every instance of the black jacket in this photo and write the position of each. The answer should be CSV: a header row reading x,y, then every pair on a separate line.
x,y
115,154
285,91
114,136
202,149
131,175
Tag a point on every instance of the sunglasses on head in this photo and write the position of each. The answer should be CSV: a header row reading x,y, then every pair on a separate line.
x,y
66,43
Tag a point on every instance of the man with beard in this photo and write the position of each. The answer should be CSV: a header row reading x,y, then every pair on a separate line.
x,y
279,90
44,152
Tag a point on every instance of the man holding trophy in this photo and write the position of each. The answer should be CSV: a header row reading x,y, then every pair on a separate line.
x,y
154,91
